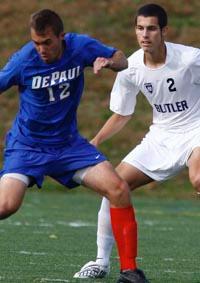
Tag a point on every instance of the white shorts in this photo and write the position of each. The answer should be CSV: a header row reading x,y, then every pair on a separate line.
x,y
163,154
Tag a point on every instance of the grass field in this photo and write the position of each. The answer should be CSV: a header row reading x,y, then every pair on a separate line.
x,y
54,233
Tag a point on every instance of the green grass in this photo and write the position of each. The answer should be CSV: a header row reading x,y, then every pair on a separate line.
x,y
54,233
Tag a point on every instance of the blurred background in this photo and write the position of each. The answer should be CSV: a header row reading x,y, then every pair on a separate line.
x,y
112,22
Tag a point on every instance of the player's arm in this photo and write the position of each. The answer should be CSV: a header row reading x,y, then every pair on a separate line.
x,y
117,62
112,126
195,66
10,73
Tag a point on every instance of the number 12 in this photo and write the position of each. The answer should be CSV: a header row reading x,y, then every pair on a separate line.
x,y
64,93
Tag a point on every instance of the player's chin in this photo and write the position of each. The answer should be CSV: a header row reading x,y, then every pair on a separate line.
x,y
46,59
146,48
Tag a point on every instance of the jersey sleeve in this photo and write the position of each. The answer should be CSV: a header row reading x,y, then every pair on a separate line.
x,y
10,73
124,93
195,67
93,48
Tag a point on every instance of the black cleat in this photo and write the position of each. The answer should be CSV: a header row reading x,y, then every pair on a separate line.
x,y
132,276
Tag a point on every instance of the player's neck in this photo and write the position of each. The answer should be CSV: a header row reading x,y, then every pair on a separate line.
x,y
155,59
63,46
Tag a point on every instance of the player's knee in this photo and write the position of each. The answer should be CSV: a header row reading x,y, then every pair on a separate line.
x,y
7,209
120,194
195,180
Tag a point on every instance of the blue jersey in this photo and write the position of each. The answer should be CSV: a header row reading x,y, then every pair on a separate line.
x,y
50,93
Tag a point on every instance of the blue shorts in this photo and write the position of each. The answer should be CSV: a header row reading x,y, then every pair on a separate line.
x,y
59,163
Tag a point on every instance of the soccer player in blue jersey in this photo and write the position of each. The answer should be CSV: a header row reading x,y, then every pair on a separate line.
x,y
44,139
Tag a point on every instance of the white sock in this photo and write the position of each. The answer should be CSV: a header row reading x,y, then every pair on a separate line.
x,y
105,237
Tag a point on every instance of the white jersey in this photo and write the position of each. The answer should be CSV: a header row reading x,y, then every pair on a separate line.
x,y
173,90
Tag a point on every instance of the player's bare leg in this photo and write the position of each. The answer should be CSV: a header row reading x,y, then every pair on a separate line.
x,y
134,177
194,172
105,239
100,267
103,179
12,192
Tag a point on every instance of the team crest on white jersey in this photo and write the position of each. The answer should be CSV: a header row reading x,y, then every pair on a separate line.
x,y
149,87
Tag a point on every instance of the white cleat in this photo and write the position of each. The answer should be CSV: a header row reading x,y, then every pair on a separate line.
x,y
92,270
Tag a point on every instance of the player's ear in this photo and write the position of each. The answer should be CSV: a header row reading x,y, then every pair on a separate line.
x,y
62,34
165,31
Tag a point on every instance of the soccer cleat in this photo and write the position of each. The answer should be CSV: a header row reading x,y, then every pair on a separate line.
x,y
132,276
92,270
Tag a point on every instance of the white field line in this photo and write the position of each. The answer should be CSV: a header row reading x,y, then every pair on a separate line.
x,y
76,224
31,253
53,280
185,272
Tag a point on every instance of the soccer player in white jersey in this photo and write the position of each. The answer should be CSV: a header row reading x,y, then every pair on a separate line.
x,y
44,138
168,75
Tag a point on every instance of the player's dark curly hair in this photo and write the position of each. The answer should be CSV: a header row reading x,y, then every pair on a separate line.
x,y
42,19
153,10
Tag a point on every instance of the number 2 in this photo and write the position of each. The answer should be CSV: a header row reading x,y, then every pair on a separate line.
x,y
171,83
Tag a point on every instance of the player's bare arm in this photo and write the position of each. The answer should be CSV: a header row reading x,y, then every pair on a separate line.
x,y
117,62
112,126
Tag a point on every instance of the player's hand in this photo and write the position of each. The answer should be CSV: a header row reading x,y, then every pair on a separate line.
x,y
100,63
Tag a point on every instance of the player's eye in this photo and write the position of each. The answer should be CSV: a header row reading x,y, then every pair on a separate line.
x,y
139,28
152,28
47,42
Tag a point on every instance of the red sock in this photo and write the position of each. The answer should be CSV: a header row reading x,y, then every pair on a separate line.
x,y
125,232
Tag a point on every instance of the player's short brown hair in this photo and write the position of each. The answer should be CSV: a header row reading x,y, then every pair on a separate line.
x,y
153,10
42,19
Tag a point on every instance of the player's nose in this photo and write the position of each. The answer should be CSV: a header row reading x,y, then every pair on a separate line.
x,y
42,49
145,32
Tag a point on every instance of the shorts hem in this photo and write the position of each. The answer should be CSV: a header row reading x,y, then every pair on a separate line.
x,y
144,170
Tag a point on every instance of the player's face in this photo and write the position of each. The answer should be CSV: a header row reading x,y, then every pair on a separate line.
x,y
48,45
149,35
